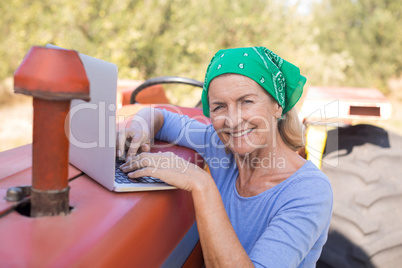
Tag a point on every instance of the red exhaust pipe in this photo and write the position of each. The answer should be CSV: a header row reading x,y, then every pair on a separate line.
x,y
53,78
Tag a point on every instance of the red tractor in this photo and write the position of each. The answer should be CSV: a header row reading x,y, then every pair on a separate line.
x,y
153,229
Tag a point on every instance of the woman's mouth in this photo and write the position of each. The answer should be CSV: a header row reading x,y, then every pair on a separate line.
x,y
242,133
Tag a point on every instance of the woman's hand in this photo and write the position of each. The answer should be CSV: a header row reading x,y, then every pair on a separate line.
x,y
134,140
168,167
137,138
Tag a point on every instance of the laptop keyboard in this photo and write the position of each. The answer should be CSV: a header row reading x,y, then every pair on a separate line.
x,y
122,178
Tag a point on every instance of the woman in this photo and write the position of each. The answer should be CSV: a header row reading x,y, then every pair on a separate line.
x,y
262,205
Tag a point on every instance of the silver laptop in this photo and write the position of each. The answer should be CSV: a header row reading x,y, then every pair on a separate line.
x,y
92,131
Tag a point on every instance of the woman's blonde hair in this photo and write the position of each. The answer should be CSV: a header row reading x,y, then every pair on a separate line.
x,y
292,129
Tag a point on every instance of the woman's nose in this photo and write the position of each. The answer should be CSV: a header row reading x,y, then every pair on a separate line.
x,y
233,117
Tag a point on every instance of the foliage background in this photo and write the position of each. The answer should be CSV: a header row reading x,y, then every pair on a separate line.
x,y
334,42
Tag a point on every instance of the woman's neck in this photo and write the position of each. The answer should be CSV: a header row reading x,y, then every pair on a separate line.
x,y
266,168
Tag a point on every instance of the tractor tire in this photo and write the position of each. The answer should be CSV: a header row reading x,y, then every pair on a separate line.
x,y
364,165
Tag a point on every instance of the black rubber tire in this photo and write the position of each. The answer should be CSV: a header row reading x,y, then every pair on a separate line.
x,y
365,169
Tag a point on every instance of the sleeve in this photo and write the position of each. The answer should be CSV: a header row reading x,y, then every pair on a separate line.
x,y
187,132
295,235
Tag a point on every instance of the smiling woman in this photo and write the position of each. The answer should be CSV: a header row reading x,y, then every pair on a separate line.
x,y
262,205
236,96
242,114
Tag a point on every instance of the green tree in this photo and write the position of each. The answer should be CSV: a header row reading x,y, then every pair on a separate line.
x,y
166,37
369,31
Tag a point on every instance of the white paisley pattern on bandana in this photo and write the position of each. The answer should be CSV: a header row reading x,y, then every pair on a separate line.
x,y
274,64
275,58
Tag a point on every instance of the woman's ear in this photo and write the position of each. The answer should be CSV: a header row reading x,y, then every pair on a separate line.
x,y
278,112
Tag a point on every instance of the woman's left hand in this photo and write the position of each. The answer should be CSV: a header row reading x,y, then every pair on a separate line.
x,y
168,167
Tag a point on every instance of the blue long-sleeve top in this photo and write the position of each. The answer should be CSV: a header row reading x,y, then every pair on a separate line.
x,y
284,226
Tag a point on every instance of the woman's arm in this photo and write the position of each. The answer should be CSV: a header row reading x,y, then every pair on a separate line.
x,y
219,242
171,127
220,245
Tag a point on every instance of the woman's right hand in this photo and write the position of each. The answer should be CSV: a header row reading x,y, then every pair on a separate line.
x,y
135,139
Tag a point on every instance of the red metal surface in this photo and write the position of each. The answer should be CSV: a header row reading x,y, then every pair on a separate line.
x,y
104,229
153,94
52,74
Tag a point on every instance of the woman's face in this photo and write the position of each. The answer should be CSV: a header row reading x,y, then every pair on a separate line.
x,y
243,114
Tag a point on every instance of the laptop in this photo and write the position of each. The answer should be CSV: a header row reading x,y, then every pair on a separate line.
x,y
92,132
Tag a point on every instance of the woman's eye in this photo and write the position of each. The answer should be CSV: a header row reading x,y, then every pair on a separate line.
x,y
217,108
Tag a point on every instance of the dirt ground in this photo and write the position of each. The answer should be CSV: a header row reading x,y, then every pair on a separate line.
x,y
16,115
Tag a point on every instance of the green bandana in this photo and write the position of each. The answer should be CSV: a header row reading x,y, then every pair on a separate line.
x,y
281,79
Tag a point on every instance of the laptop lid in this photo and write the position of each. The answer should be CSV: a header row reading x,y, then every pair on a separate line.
x,y
92,132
